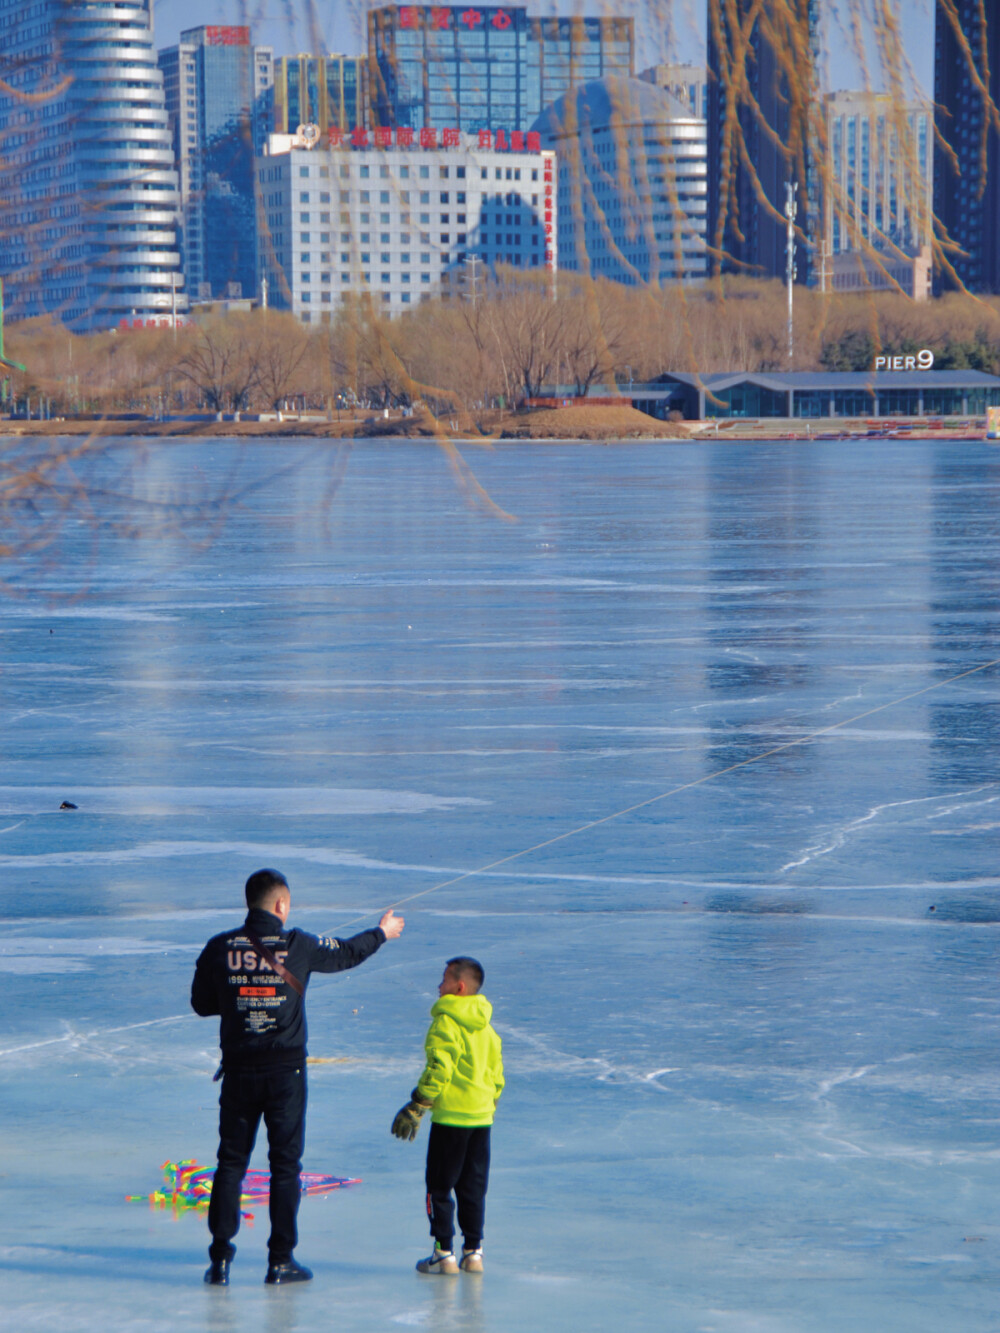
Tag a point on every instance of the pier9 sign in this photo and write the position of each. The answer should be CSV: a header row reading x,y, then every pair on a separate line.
x,y
923,360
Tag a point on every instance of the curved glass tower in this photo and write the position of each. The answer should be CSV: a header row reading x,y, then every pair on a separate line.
x,y
88,191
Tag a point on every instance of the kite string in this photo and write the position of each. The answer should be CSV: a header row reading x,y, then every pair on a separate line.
x,y
684,786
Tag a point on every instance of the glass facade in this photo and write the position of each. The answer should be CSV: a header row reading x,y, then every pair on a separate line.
x,y
218,85
318,90
967,150
88,190
878,189
493,68
632,182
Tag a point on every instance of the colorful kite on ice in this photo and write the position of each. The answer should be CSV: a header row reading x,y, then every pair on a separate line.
x,y
187,1185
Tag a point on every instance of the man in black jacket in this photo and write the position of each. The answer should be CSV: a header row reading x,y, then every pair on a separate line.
x,y
254,977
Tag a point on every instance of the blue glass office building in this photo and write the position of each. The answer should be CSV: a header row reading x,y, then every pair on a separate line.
x,y
967,148
216,82
492,68
763,108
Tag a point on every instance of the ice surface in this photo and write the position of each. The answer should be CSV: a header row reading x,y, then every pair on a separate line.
x,y
750,1027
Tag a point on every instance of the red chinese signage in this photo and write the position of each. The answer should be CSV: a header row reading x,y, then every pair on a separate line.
x,y
440,17
216,35
517,141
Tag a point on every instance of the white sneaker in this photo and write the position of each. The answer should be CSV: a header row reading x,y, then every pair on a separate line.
x,y
441,1262
472,1260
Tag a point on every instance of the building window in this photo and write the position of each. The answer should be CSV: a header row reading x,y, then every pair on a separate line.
x,y
303,196
384,173
364,173
404,173
304,172
425,173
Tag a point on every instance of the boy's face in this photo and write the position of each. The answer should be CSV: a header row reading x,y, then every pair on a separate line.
x,y
450,984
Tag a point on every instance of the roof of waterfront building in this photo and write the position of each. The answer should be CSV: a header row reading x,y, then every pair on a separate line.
x,y
834,379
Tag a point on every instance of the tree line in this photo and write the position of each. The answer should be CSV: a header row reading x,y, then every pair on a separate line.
x,y
523,334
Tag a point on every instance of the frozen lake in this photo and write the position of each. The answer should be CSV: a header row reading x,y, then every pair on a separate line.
x,y
750,1025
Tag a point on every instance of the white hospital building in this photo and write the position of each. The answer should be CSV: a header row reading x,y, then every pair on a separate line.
x,y
403,221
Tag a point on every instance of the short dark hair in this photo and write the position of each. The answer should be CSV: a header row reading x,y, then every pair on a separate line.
x,y
262,884
468,970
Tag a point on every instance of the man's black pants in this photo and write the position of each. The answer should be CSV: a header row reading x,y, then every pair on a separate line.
x,y
280,1097
458,1159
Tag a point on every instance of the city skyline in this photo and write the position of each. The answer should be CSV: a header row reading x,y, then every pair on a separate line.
x,y
342,28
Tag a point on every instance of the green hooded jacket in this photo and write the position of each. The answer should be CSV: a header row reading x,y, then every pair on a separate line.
x,y
464,1072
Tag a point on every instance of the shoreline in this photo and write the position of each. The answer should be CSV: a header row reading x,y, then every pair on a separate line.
x,y
595,426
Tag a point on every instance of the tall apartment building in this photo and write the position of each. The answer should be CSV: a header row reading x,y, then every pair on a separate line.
x,y
88,191
216,82
764,71
967,162
485,68
687,83
632,182
875,183
399,223
319,90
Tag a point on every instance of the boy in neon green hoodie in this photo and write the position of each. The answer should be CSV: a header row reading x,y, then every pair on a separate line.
x,y
460,1085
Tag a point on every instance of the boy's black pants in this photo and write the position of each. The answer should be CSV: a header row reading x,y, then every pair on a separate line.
x,y
458,1158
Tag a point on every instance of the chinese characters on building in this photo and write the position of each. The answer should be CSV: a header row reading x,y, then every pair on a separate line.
x,y
405,136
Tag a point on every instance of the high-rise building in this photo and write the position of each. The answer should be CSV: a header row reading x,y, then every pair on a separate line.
x,y
488,68
319,90
632,182
88,190
876,177
400,223
763,113
688,83
216,82
967,153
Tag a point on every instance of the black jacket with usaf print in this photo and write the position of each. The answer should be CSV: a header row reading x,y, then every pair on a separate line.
x,y
263,1019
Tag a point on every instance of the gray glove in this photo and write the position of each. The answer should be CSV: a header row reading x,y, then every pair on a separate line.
x,y
407,1120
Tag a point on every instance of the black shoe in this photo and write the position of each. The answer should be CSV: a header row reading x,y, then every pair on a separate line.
x,y
278,1274
218,1274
